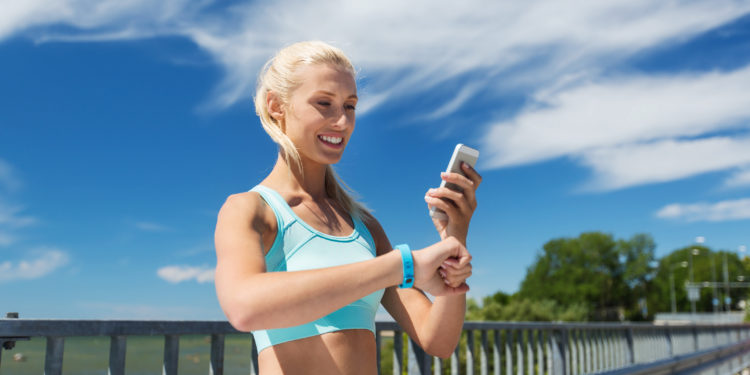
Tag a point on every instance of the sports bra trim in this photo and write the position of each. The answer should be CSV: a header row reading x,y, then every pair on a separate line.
x,y
282,203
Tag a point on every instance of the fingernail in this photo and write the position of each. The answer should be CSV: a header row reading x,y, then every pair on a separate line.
x,y
431,191
442,274
446,282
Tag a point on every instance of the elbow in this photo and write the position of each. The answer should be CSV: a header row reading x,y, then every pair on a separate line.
x,y
240,322
243,320
440,348
441,352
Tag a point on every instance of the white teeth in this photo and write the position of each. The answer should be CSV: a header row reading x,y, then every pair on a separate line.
x,y
334,140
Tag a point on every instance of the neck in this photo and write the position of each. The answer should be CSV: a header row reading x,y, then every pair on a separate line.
x,y
311,181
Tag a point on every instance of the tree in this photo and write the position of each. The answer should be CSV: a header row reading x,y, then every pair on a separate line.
x,y
593,270
707,266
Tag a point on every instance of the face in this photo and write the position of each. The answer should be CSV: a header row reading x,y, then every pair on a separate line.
x,y
320,116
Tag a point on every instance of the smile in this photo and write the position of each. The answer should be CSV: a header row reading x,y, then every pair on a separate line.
x,y
332,140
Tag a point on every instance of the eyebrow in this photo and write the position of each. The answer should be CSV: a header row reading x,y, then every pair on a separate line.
x,y
332,94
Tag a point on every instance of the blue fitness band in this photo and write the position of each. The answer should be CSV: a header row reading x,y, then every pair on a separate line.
x,y
408,263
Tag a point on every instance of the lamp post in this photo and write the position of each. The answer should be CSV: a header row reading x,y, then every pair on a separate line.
x,y
682,264
693,252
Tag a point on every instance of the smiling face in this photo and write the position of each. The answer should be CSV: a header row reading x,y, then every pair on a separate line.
x,y
319,118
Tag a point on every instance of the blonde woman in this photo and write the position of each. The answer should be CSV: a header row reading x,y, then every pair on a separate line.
x,y
305,267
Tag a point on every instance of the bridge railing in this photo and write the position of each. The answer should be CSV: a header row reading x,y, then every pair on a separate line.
x,y
486,347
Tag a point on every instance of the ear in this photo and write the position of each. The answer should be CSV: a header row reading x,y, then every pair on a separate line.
x,y
274,104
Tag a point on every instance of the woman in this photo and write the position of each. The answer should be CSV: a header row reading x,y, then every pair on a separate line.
x,y
302,265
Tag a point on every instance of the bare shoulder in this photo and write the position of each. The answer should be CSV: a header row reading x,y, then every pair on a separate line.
x,y
247,209
382,244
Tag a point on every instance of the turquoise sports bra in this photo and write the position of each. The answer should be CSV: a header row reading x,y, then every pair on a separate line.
x,y
298,246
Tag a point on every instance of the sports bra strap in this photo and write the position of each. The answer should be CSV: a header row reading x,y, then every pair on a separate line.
x,y
280,208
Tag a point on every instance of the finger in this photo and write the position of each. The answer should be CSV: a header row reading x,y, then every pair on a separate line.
x,y
466,185
472,174
458,179
459,199
454,275
450,209
458,279
461,289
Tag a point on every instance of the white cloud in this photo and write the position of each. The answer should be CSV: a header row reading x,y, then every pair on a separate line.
x,y
178,274
8,179
107,310
429,43
151,227
740,178
11,217
46,261
637,164
721,211
486,46
633,130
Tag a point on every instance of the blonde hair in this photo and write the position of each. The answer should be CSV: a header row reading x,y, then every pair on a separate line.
x,y
278,76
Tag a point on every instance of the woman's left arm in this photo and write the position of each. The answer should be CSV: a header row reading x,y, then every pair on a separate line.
x,y
435,325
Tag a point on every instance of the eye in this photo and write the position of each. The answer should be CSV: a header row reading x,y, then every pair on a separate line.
x,y
324,103
350,107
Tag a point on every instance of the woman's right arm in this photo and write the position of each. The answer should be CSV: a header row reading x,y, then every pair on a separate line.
x,y
254,299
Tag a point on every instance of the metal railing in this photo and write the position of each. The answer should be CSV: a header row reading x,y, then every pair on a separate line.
x,y
486,347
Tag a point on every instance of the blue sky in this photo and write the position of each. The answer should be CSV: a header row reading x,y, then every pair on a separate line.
x,y
125,125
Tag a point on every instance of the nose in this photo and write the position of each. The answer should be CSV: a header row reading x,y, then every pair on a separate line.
x,y
342,120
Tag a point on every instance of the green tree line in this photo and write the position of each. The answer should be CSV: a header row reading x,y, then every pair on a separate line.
x,y
596,277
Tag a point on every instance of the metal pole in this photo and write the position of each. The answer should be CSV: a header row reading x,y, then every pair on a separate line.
x,y
692,302
727,299
713,282
671,285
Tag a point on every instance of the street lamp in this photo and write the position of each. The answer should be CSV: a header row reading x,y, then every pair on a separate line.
x,y
693,252
682,264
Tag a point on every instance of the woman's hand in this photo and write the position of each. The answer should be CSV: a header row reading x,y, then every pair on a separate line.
x,y
442,268
458,205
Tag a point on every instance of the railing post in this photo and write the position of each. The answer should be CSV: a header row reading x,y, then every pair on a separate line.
x,y
378,334
171,354
424,361
455,359
631,349
217,355
508,352
254,358
483,352
398,352
670,342
470,352
117,346
496,352
53,358
559,352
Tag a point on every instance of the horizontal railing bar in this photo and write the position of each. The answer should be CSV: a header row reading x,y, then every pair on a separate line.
x,y
43,327
685,363
47,327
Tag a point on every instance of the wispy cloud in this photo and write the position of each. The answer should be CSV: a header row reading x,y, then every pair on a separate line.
x,y
508,47
46,261
8,179
633,130
721,211
106,310
151,227
11,215
180,273
740,178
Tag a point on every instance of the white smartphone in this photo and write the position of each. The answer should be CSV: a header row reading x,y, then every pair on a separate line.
x,y
461,153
